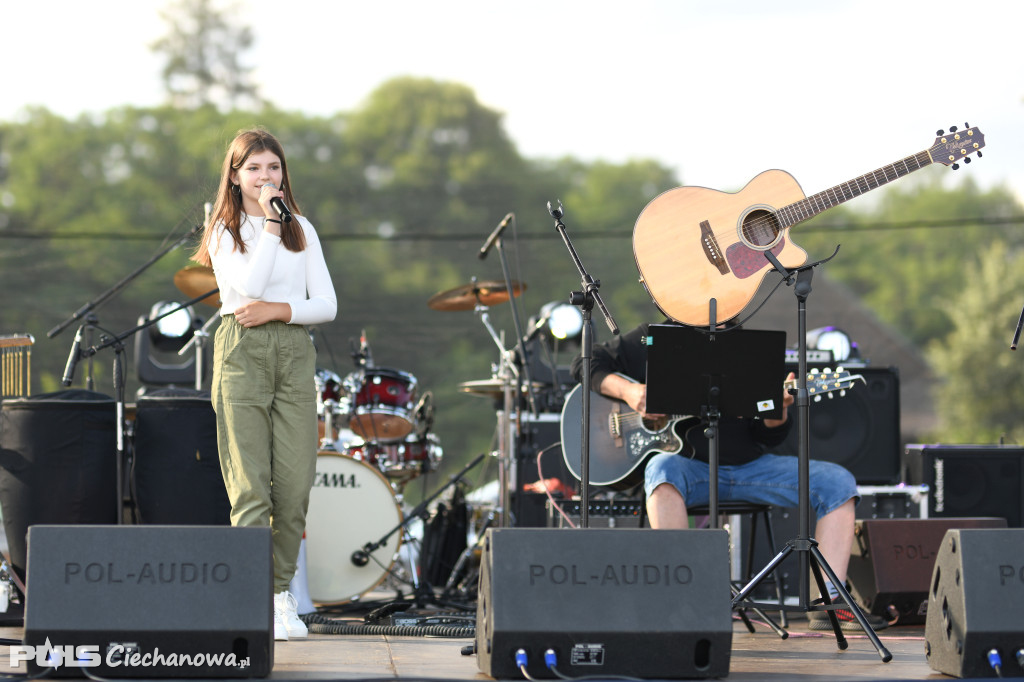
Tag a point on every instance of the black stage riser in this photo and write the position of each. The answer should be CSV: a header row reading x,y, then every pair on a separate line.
x,y
638,603
183,590
969,480
892,561
860,430
975,603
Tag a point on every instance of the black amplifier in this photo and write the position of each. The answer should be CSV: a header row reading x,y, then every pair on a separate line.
x,y
623,513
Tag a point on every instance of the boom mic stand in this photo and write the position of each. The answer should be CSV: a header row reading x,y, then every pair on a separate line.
x,y
361,556
584,300
804,545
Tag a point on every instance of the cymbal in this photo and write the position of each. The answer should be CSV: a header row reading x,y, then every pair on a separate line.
x,y
490,388
196,280
467,296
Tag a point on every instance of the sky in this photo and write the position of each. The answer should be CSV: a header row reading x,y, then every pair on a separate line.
x,y
716,90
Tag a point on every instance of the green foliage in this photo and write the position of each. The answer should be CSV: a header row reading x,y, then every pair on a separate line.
x,y
906,254
982,395
403,191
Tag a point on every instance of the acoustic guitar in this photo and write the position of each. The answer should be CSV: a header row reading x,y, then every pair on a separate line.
x,y
621,441
694,244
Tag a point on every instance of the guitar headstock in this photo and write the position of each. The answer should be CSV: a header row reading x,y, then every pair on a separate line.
x,y
828,382
956,145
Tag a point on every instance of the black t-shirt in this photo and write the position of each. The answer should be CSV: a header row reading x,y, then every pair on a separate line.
x,y
741,439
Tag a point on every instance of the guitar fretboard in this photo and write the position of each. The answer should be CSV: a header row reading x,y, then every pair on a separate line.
x,y
816,203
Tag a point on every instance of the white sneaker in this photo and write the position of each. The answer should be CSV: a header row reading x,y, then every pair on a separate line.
x,y
280,631
286,613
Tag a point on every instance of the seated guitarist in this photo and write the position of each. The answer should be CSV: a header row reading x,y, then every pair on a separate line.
x,y
747,471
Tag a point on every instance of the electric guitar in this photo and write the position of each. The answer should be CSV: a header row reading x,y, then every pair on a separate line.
x,y
694,244
621,441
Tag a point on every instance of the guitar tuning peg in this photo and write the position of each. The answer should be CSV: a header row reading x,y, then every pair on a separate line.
x,y
831,396
952,129
956,166
826,370
842,393
967,159
817,398
940,132
979,155
966,124
814,371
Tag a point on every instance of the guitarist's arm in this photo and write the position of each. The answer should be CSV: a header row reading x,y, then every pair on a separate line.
x,y
628,391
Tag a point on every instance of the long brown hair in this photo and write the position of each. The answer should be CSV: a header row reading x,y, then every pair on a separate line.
x,y
228,207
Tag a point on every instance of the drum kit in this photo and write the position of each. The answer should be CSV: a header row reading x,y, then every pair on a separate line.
x,y
375,436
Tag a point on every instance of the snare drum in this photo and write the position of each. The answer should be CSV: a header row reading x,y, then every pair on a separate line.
x,y
383,403
400,461
351,505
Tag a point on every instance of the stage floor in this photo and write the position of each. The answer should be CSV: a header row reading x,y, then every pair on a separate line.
x,y
806,656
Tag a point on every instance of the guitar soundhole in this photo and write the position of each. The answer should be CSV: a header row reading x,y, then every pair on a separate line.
x,y
760,228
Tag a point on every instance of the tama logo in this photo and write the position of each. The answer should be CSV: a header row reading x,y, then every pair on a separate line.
x,y
335,480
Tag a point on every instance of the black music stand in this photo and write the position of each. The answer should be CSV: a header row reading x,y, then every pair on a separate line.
x,y
731,372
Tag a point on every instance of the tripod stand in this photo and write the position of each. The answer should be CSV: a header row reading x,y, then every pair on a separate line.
x,y
804,545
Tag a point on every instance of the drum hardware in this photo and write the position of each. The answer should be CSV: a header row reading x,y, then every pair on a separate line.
x,y
423,591
506,378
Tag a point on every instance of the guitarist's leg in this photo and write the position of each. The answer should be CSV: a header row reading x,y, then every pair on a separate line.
x,y
669,481
666,508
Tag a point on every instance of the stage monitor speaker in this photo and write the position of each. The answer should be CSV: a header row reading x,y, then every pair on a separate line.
x,y
860,430
975,601
151,601
969,480
606,602
892,560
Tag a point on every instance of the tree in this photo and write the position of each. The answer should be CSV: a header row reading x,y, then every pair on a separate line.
x,y
982,396
203,50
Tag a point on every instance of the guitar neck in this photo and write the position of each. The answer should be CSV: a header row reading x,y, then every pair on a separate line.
x,y
811,206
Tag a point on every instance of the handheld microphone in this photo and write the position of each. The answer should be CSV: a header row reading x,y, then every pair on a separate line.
x,y
278,204
494,236
73,358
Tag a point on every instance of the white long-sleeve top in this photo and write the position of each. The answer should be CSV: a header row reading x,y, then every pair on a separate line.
x,y
267,271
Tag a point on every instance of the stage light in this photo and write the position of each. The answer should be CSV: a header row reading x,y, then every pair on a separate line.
x,y
174,331
833,339
565,321
157,362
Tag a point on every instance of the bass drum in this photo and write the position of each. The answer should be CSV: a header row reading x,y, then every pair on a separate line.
x,y
351,505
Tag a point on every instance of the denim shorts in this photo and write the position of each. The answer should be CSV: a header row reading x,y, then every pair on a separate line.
x,y
769,479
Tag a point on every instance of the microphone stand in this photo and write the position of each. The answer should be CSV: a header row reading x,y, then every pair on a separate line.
x,y
116,341
105,296
361,556
584,300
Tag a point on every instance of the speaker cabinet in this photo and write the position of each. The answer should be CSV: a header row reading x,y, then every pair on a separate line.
x,y
969,480
638,603
975,603
152,601
892,560
860,430
539,436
